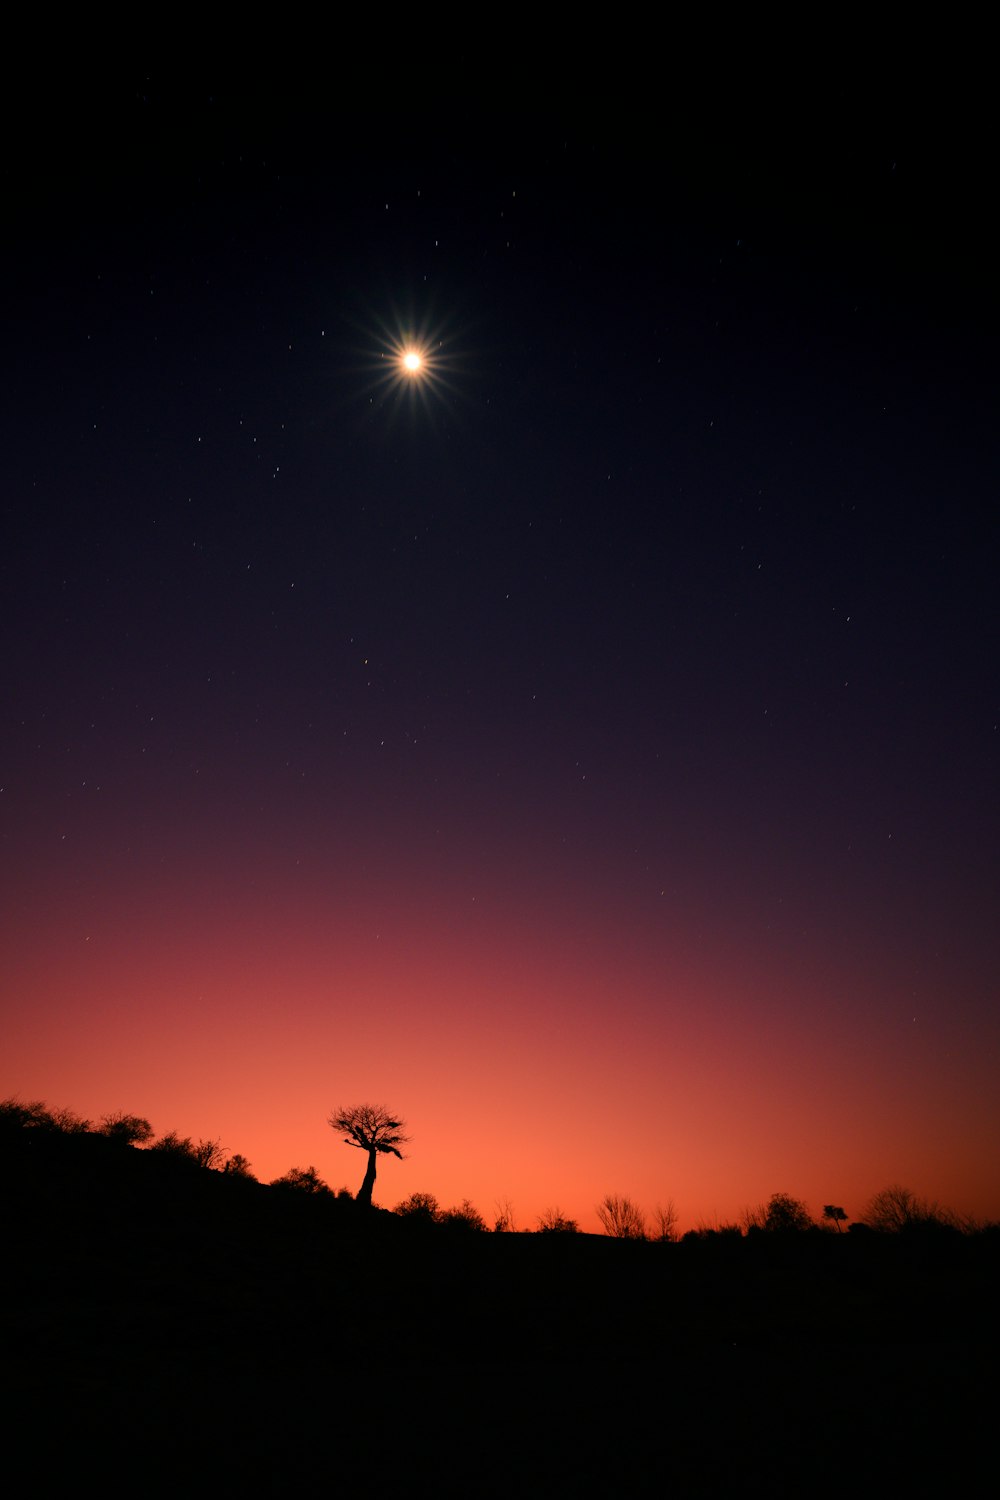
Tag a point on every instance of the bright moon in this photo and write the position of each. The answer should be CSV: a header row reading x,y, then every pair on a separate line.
x,y
412,362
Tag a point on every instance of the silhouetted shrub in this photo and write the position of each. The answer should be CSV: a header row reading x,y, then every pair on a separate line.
x,y
621,1218
504,1222
302,1180
421,1208
723,1231
895,1210
129,1130
780,1215
182,1149
465,1216
238,1166
16,1117
68,1122
665,1222
554,1222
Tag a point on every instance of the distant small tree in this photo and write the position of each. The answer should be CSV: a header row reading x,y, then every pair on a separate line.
x,y
370,1128
36,1116
780,1215
208,1154
896,1210
786,1215
15,1116
665,1222
890,1210
175,1147
68,1122
129,1130
504,1223
302,1180
835,1215
552,1221
621,1218
238,1166
421,1207
465,1216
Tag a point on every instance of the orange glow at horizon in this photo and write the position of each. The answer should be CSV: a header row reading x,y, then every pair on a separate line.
x,y
542,1051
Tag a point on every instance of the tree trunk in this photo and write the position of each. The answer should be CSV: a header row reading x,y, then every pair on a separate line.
x,y
364,1197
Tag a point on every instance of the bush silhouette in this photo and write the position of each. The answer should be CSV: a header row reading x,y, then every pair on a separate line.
x,y
129,1130
621,1218
780,1215
421,1208
465,1216
895,1210
16,1117
302,1180
238,1166
183,1150
552,1221
665,1222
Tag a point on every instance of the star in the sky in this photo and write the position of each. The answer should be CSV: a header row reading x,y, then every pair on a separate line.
x,y
413,362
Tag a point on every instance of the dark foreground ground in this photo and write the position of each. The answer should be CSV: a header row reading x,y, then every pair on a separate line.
x,y
164,1325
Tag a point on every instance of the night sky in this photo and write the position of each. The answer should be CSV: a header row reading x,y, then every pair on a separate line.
x,y
586,747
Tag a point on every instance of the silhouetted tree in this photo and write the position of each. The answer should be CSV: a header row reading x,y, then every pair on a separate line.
x,y
780,1215
209,1154
621,1218
422,1207
552,1221
465,1216
238,1166
895,1210
130,1130
15,1116
303,1180
504,1222
835,1215
665,1222
69,1122
786,1215
370,1128
176,1146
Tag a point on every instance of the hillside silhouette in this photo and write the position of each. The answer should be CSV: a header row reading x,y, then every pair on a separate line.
x,y
150,1283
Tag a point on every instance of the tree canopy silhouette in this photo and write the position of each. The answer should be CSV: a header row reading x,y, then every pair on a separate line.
x,y
370,1128
780,1215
